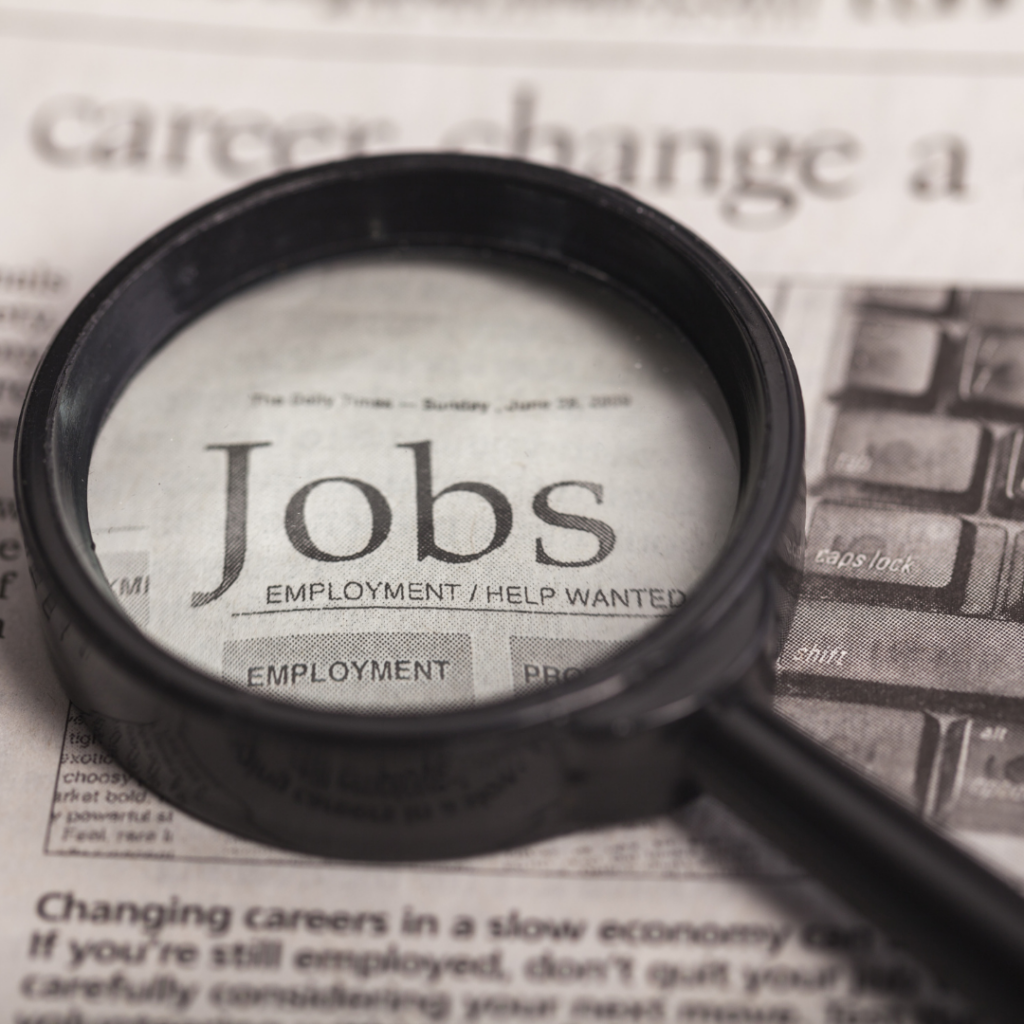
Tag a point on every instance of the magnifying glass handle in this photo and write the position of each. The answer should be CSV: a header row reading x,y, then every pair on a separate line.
x,y
960,920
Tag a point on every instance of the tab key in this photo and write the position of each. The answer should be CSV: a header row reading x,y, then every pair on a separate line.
x,y
911,459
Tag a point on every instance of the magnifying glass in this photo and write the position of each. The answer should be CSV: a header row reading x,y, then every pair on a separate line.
x,y
419,506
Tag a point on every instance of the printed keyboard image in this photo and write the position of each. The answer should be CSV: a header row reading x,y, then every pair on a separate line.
x,y
906,653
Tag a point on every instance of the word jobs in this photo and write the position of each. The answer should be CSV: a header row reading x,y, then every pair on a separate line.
x,y
235,521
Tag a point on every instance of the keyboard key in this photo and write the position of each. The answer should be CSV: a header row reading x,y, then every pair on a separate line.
x,y
895,356
1015,588
918,300
882,742
986,566
990,796
997,309
993,373
914,459
888,556
901,657
940,763
1006,499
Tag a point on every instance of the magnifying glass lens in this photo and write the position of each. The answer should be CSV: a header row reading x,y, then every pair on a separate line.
x,y
412,484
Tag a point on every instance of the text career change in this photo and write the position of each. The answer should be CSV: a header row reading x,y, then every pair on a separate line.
x,y
235,522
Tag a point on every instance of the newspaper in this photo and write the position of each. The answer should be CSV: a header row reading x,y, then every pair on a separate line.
x,y
857,160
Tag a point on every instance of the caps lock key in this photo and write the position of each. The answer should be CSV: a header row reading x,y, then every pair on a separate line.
x,y
887,556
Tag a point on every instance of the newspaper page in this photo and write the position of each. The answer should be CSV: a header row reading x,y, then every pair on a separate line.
x,y
859,161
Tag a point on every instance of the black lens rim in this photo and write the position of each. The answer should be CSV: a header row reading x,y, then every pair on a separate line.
x,y
405,202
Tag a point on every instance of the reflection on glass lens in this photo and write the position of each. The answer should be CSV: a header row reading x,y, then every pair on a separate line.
x,y
412,484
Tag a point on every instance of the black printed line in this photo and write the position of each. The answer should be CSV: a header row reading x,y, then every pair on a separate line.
x,y
445,608
56,780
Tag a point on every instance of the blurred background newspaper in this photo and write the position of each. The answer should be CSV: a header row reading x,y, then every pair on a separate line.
x,y
862,162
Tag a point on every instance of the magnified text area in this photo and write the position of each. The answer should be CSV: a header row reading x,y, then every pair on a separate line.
x,y
400,485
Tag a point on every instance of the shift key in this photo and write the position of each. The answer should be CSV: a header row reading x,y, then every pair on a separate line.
x,y
887,556
922,460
